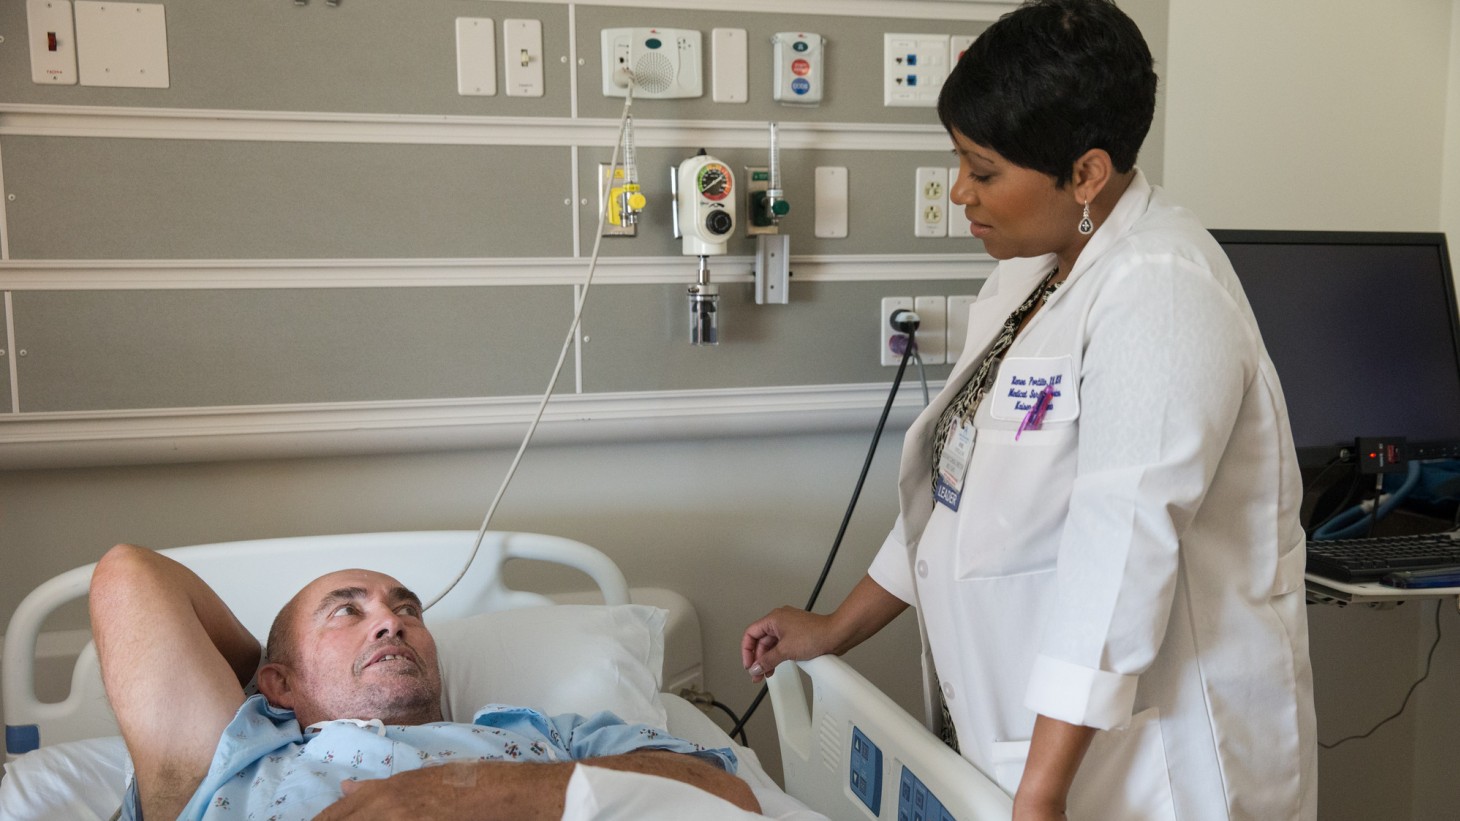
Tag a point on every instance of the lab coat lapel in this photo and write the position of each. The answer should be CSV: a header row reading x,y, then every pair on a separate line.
x,y
1131,205
1015,280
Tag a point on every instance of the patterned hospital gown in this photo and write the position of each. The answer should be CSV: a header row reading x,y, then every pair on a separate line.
x,y
266,769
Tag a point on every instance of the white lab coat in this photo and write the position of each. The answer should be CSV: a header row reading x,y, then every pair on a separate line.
x,y
1136,564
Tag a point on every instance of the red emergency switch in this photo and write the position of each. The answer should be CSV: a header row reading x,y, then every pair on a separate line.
x,y
51,40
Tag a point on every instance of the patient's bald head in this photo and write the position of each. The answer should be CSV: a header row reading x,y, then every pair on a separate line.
x,y
352,644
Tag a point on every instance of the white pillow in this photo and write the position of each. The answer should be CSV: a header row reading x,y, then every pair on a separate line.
x,y
566,658
599,794
74,780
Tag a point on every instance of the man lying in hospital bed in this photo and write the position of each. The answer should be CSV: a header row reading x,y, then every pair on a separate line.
x,y
350,706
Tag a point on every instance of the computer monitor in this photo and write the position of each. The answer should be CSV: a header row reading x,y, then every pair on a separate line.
x,y
1364,332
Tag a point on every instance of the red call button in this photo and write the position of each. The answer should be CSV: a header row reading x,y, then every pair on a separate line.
x,y
51,40
800,68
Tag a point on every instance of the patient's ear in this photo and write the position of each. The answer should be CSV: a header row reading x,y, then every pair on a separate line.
x,y
275,685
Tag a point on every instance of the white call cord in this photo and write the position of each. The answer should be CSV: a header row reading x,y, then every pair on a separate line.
x,y
562,355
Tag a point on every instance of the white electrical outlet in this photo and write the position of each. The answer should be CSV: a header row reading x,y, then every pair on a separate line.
x,y
958,324
884,325
914,67
930,203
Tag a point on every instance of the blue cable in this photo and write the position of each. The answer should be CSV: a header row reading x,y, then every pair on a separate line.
x,y
1351,523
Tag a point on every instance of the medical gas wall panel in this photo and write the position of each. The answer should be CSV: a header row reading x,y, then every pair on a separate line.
x,y
878,183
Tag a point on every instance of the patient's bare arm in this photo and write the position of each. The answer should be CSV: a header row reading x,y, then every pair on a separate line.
x,y
174,660
492,790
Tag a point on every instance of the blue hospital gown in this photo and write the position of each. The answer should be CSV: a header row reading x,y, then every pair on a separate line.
x,y
266,769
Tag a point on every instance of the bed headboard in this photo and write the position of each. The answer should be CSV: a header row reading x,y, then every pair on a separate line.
x,y
257,577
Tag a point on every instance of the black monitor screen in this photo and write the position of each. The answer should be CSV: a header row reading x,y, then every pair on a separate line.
x,y
1363,331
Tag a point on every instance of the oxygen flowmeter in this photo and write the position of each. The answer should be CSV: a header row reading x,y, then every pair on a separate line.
x,y
704,190
766,204
621,198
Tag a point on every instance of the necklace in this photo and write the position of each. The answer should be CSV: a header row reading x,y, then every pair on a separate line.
x,y
966,402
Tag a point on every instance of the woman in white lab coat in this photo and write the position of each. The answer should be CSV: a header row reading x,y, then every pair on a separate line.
x,y
1099,524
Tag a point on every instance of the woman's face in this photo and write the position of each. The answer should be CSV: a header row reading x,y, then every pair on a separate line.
x,y
1016,211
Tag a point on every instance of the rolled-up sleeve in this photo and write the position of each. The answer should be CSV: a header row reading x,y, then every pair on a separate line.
x,y
1167,359
890,567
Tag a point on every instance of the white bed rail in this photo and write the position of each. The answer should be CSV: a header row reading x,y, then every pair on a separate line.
x,y
854,753
246,575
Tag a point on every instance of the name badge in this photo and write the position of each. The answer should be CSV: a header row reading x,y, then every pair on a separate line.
x,y
953,464
1033,391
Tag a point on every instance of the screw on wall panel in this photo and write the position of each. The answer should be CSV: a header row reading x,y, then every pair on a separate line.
x,y
23,352
10,197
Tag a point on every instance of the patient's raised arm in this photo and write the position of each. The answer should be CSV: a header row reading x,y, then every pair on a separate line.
x,y
174,660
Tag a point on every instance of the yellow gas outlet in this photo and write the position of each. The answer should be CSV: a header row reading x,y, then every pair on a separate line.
x,y
613,223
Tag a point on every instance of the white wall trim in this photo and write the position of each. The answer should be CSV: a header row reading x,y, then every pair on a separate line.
x,y
174,435
910,9
102,275
422,129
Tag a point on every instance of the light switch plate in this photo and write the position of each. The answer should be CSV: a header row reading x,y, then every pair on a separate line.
x,y
476,57
522,57
51,25
728,60
121,44
831,202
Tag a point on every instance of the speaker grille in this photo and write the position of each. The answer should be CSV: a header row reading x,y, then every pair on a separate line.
x,y
654,73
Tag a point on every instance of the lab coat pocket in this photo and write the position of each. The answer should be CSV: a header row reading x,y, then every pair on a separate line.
x,y
1018,491
1290,569
1124,774
1007,759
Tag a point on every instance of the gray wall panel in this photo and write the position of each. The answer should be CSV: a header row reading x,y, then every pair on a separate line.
x,y
881,186
853,62
379,56
153,349
828,334
83,198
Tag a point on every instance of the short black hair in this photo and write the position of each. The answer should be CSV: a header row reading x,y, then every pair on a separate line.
x,y
1051,80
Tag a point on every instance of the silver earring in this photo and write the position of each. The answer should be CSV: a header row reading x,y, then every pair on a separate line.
x,y
1087,227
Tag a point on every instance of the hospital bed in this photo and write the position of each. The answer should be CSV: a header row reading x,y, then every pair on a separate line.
x,y
849,751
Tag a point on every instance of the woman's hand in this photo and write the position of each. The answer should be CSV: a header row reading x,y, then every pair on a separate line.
x,y
786,633
789,634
